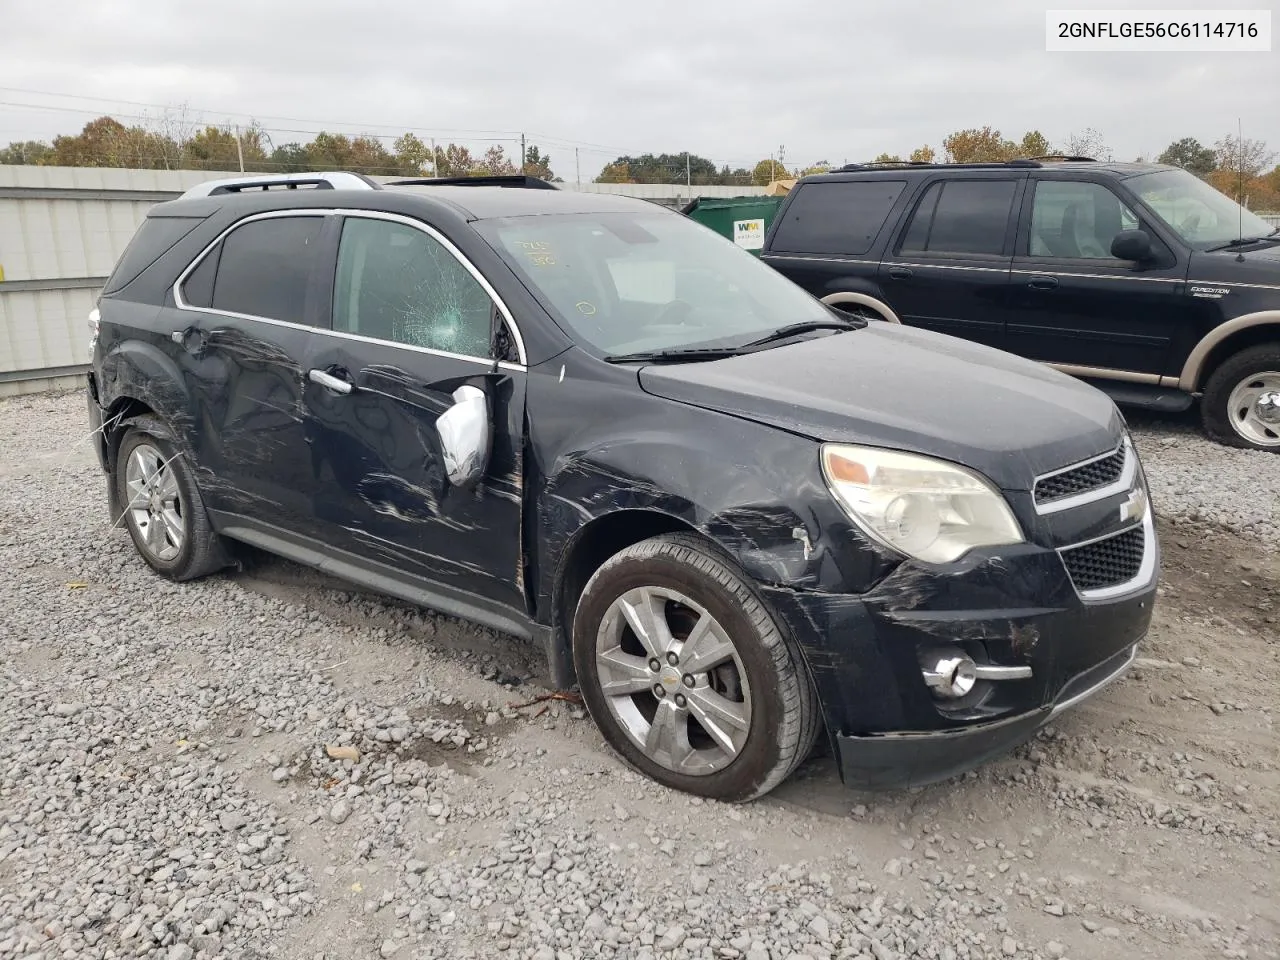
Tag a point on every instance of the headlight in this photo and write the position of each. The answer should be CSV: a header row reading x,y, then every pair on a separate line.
x,y
925,508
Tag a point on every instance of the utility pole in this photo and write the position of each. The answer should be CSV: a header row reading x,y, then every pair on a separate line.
x,y
239,149
522,153
577,166
435,162
688,176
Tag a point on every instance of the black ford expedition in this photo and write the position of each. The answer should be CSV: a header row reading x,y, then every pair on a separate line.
x,y
737,519
1139,278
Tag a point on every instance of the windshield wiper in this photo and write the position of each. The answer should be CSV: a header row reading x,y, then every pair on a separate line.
x,y
689,354
1245,241
792,329
679,355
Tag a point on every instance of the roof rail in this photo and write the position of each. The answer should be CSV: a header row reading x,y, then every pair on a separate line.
x,y
337,180
514,180
870,164
1066,157
922,165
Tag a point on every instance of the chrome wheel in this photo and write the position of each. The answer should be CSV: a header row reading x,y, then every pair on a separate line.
x,y
1254,408
673,680
155,508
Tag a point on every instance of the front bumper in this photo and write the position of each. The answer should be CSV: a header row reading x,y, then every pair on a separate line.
x,y
1013,607
898,760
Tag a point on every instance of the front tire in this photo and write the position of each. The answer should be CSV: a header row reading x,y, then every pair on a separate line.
x,y
163,509
1241,401
687,675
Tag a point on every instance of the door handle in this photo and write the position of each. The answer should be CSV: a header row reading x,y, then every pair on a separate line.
x,y
1043,283
330,382
900,273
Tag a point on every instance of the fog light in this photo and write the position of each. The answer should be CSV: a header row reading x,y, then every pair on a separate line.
x,y
949,674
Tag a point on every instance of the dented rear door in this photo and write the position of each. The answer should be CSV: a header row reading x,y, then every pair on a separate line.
x,y
241,323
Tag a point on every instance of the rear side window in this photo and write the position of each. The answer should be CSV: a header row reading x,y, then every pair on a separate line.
x,y
154,237
842,216
197,289
961,217
263,268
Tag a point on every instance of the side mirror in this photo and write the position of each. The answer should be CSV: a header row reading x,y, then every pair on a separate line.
x,y
466,436
1132,245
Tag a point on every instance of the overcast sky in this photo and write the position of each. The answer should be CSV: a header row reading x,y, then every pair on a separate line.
x,y
836,80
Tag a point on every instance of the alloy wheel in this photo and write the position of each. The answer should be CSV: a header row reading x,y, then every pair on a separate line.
x,y
155,507
1253,408
672,678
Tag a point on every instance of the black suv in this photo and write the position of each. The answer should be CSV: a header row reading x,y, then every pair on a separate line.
x,y
1140,278
731,515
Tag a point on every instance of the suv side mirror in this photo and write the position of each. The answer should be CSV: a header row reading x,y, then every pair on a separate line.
x,y
466,436
1132,245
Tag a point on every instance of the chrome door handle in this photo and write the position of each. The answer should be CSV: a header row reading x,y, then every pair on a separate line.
x,y
330,382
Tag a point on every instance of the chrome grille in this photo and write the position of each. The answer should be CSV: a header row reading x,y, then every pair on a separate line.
x,y
1106,563
1081,479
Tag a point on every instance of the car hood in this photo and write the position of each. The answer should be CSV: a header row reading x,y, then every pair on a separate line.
x,y
892,386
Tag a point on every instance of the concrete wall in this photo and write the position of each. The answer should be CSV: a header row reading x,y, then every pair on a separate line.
x,y
62,230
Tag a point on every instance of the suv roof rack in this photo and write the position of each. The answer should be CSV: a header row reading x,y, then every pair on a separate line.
x,y
1067,157
516,180
337,180
922,164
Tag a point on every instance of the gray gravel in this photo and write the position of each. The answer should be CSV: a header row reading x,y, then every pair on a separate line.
x,y
267,764
1195,480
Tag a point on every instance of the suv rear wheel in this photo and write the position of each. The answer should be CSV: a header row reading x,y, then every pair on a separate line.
x,y
1241,402
687,675
163,509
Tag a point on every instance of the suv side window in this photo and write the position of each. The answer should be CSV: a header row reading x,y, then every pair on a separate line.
x,y
262,268
398,283
961,217
1076,220
842,216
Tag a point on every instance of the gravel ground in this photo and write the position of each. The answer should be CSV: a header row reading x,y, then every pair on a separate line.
x,y
1194,480
269,764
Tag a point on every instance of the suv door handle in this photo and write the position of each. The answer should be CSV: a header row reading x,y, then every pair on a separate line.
x,y
1043,283
900,273
330,382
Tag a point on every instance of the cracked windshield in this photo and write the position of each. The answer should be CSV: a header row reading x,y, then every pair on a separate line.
x,y
630,282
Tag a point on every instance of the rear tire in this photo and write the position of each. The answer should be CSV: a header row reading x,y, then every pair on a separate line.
x,y
163,509
1229,408
735,716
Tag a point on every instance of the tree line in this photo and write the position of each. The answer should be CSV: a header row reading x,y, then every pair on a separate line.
x,y
106,142
1240,168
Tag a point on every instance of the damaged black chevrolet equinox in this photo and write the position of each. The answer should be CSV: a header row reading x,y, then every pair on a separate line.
x,y
738,519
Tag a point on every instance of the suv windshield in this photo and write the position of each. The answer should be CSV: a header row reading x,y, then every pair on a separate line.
x,y
632,282
1197,212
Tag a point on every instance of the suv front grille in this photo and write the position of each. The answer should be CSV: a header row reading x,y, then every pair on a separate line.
x,y
1106,563
1081,479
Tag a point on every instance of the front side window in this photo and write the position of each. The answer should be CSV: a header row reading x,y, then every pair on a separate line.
x,y
627,282
1076,220
961,217
263,268
1202,216
398,283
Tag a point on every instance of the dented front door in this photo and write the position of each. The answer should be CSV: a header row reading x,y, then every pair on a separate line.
x,y
410,326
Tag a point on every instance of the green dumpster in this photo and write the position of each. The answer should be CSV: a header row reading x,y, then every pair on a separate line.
x,y
744,220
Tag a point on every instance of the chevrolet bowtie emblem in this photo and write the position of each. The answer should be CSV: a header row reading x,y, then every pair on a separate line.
x,y
1135,507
